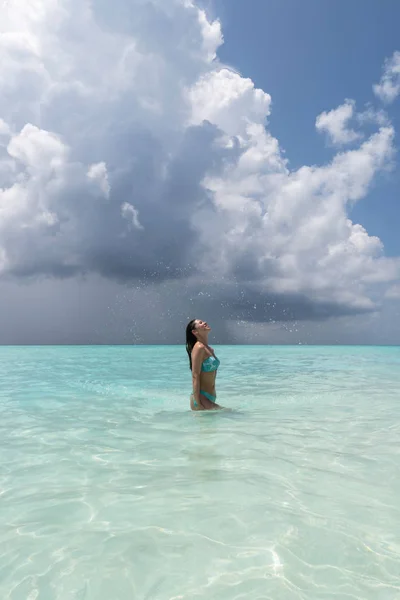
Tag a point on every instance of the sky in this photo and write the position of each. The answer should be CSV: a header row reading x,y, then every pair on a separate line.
x,y
174,159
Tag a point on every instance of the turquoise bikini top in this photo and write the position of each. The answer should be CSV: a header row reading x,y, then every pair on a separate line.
x,y
210,364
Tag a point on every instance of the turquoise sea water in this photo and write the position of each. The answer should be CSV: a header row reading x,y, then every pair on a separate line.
x,y
111,489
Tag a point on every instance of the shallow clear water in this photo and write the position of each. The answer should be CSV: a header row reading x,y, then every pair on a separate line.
x,y
111,489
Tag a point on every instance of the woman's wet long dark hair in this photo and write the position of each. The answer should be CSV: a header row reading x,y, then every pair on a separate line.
x,y
191,339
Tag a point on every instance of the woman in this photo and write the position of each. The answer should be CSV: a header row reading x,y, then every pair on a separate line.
x,y
203,364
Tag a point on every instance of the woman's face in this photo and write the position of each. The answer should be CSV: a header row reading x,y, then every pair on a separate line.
x,y
202,325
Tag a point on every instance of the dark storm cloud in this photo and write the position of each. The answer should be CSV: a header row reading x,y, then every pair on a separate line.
x,y
250,303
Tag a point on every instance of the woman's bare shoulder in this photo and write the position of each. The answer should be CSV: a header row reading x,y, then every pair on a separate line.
x,y
198,347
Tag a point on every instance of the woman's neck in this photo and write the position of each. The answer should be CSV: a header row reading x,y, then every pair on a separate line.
x,y
203,338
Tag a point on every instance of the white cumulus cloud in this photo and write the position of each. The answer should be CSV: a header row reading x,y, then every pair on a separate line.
x,y
98,172
228,100
335,124
130,213
389,86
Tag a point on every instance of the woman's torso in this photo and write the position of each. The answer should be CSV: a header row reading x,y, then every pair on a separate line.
x,y
208,373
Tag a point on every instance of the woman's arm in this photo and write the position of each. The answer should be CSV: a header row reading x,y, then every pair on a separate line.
x,y
198,353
